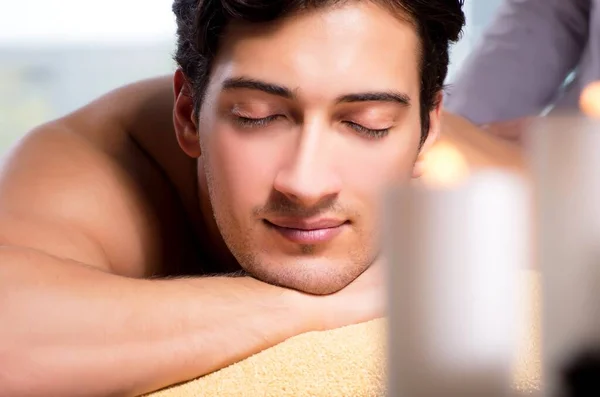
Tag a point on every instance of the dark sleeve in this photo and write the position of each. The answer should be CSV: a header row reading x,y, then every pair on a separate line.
x,y
521,61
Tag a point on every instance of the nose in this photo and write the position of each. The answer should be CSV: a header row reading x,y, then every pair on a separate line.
x,y
310,176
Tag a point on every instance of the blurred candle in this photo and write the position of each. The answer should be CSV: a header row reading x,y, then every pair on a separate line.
x,y
455,256
565,153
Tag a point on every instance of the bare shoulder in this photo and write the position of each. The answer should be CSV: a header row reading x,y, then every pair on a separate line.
x,y
480,148
81,188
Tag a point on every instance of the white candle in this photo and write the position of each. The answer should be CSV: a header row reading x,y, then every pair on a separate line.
x,y
454,257
565,153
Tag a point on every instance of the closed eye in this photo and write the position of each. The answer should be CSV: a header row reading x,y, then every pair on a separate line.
x,y
368,132
248,122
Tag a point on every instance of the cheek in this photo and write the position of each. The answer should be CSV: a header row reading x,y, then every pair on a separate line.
x,y
241,168
371,168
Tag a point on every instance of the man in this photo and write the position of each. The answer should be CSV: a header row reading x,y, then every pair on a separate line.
x,y
519,67
290,119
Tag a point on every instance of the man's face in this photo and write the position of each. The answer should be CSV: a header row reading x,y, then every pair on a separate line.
x,y
304,123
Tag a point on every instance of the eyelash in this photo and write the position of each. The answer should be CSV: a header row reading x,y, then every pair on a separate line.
x,y
247,122
370,133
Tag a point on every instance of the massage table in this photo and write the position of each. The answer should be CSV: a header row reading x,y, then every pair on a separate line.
x,y
346,362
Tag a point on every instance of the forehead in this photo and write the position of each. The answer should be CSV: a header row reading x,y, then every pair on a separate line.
x,y
356,46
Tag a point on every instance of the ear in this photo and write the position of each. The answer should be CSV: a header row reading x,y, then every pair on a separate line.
x,y
184,117
435,121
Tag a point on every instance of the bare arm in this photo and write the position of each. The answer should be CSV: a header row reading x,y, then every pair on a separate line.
x,y
522,60
72,330
78,241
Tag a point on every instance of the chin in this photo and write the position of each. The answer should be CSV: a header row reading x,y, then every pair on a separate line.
x,y
320,288
322,277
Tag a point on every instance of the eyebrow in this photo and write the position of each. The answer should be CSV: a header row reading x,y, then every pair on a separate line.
x,y
257,85
284,92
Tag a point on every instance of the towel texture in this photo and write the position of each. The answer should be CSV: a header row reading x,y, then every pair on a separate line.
x,y
345,362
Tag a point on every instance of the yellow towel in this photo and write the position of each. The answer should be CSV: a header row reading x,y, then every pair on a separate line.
x,y
345,362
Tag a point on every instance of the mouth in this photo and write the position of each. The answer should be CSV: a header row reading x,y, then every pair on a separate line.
x,y
303,231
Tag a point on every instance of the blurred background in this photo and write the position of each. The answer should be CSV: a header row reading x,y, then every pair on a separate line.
x,y
57,55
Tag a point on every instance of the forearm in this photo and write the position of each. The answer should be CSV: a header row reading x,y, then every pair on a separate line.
x,y
72,330
521,61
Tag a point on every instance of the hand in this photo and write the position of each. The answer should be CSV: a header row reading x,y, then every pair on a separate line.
x,y
510,130
362,300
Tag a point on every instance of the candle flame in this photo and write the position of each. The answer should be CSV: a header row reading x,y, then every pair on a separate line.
x,y
444,166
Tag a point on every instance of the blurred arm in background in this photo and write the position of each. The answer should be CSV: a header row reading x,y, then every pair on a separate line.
x,y
520,64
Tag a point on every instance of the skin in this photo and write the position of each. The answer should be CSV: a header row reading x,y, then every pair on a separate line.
x,y
97,206
314,160
510,130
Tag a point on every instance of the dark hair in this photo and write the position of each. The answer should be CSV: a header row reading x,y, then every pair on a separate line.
x,y
200,23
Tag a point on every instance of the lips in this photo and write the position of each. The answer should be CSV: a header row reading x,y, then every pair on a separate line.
x,y
306,224
307,231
